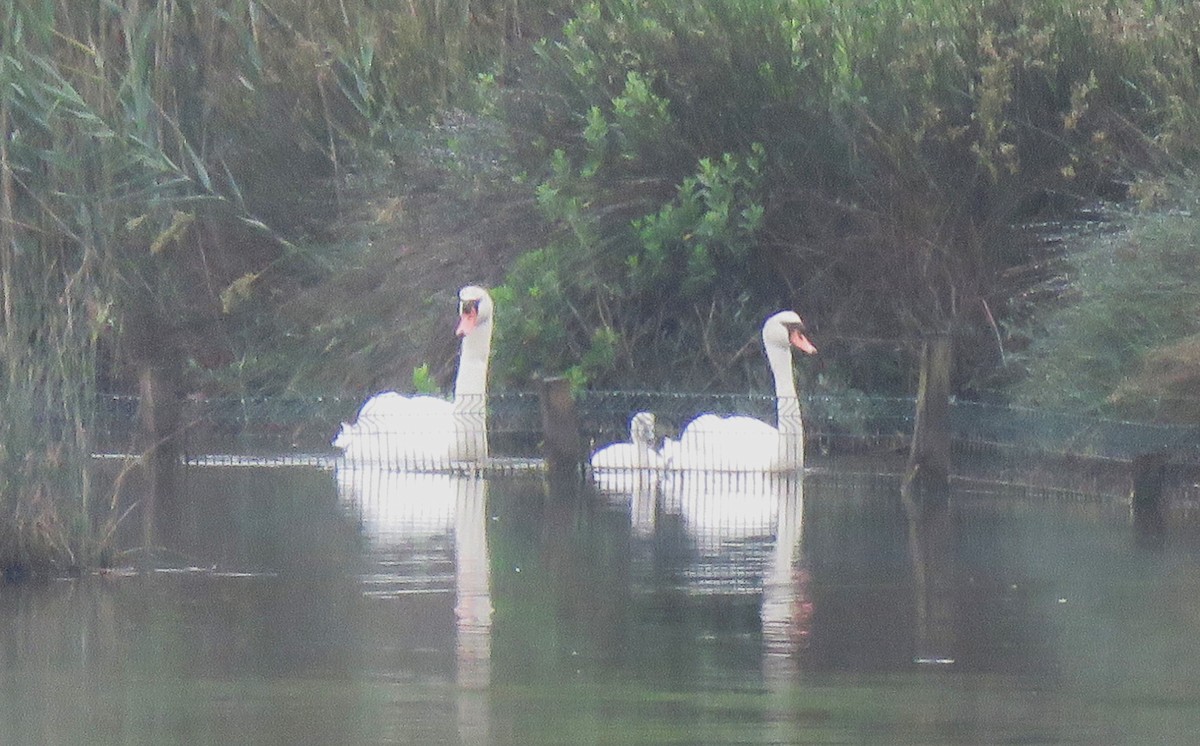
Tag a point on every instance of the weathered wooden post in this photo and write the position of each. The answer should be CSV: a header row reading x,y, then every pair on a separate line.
x,y
925,494
159,412
931,550
151,347
1148,474
159,416
562,444
927,476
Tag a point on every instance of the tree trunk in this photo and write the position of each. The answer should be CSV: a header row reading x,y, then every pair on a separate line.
x,y
927,476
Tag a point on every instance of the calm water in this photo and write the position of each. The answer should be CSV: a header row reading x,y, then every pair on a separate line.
x,y
297,605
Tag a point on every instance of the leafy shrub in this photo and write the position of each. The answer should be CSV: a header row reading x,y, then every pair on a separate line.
x,y
1131,293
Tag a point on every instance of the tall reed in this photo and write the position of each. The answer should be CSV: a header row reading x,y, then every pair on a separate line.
x,y
100,160
158,162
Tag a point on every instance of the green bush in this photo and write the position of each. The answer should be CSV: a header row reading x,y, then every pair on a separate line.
x,y
1130,293
865,162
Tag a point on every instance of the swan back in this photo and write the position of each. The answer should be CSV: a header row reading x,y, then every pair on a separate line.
x,y
397,430
736,443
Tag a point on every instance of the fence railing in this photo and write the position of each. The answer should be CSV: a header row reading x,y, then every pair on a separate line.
x,y
512,425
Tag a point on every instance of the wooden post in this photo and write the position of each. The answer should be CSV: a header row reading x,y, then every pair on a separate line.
x,y
562,444
149,342
1147,505
927,477
159,416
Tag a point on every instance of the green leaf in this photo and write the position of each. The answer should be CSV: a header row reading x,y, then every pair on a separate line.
x,y
174,232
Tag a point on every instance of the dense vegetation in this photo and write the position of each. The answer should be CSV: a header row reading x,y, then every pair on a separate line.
x,y
260,197
1124,339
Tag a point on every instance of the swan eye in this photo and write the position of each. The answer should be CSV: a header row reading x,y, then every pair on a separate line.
x,y
468,306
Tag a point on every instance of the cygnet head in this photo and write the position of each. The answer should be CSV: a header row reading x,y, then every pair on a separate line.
x,y
474,309
641,428
785,329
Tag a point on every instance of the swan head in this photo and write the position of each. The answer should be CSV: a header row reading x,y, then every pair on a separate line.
x,y
641,429
786,329
474,309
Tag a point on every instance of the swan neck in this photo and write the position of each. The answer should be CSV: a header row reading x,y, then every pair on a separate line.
x,y
780,360
470,396
787,410
471,380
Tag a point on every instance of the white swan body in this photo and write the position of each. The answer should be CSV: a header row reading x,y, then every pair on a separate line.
x,y
739,443
638,453
630,468
424,431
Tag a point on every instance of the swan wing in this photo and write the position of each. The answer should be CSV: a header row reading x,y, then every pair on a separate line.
x,y
616,456
399,430
736,443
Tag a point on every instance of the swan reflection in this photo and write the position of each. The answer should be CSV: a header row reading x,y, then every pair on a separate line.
x,y
723,507
748,530
424,512
786,605
399,508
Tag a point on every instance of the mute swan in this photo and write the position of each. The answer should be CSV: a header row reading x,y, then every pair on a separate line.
x,y
638,453
629,468
739,443
425,431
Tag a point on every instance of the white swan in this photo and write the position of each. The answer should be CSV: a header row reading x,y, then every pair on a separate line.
x,y
638,453
425,431
739,443
633,468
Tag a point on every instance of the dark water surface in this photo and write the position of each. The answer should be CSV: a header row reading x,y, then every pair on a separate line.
x,y
295,605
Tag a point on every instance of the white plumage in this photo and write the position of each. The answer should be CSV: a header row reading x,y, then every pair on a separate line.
x,y
739,443
401,431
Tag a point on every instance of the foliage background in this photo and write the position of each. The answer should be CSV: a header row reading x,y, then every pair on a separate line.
x,y
263,197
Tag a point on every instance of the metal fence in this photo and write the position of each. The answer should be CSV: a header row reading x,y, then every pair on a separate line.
x,y
300,427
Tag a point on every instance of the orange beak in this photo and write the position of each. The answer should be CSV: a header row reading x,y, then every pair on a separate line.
x,y
467,322
800,342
